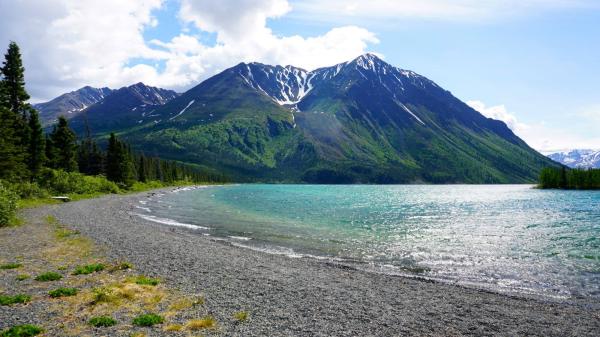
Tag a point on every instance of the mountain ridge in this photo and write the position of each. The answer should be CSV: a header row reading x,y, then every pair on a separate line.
x,y
577,158
360,121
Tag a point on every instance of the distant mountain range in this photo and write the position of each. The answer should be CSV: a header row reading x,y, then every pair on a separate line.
x,y
361,121
578,158
138,98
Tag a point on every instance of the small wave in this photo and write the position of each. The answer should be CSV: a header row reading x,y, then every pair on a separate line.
x,y
169,222
242,238
144,208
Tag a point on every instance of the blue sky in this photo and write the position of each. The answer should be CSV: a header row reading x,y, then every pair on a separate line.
x,y
532,63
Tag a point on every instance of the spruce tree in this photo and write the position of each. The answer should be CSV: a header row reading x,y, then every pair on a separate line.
x,y
119,164
12,164
14,79
142,174
49,152
64,146
14,128
36,150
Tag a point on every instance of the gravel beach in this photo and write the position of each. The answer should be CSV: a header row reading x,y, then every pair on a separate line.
x,y
305,297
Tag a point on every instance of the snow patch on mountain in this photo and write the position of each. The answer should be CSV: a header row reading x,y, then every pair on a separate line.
x,y
579,158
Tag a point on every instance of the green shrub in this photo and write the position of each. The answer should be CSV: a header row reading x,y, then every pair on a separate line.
x,y
49,276
148,320
146,281
63,182
29,190
63,292
26,330
8,205
13,265
10,300
90,268
102,321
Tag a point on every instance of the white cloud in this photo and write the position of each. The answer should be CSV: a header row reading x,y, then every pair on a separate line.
x,y
67,44
540,136
453,10
498,112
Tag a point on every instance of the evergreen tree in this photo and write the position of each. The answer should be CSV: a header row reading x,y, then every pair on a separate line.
x,y
119,165
49,152
14,129
142,169
96,165
14,80
11,153
35,153
64,146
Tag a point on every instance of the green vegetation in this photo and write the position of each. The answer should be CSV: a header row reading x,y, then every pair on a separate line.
x,y
148,320
102,321
26,330
8,205
241,316
122,266
143,280
63,292
570,179
90,268
22,277
34,166
10,300
49,276
13,265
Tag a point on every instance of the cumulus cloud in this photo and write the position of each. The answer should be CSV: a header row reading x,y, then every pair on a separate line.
x,y
67,44
498,112
541,136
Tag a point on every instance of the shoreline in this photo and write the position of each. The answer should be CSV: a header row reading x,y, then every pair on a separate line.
x,y
310,297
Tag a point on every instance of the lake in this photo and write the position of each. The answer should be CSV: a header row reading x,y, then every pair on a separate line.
x,y
506,238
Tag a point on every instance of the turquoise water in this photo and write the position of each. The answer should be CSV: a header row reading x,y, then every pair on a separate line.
x,y
508,238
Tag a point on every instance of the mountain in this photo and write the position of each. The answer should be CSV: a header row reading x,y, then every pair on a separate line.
x,y
362,121
123,108
70,104
578,158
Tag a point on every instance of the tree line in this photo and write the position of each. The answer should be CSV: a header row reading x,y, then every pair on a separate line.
x,y
25,151
571,179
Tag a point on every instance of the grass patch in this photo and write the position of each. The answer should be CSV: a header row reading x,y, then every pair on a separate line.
x,y
148,320
241,316
103,295
102,321
49,276
146,281
10,300
63,292
207,322
22,277
14,265
63,233
121,266
174,327
26,330
90,268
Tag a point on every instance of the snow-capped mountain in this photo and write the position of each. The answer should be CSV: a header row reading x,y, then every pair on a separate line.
x,y
124,107
97,101
289,85
578,158
71,103
359,121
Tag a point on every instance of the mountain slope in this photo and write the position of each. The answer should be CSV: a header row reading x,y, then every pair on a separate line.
x,y
123,108
359,121
578,158
70,104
